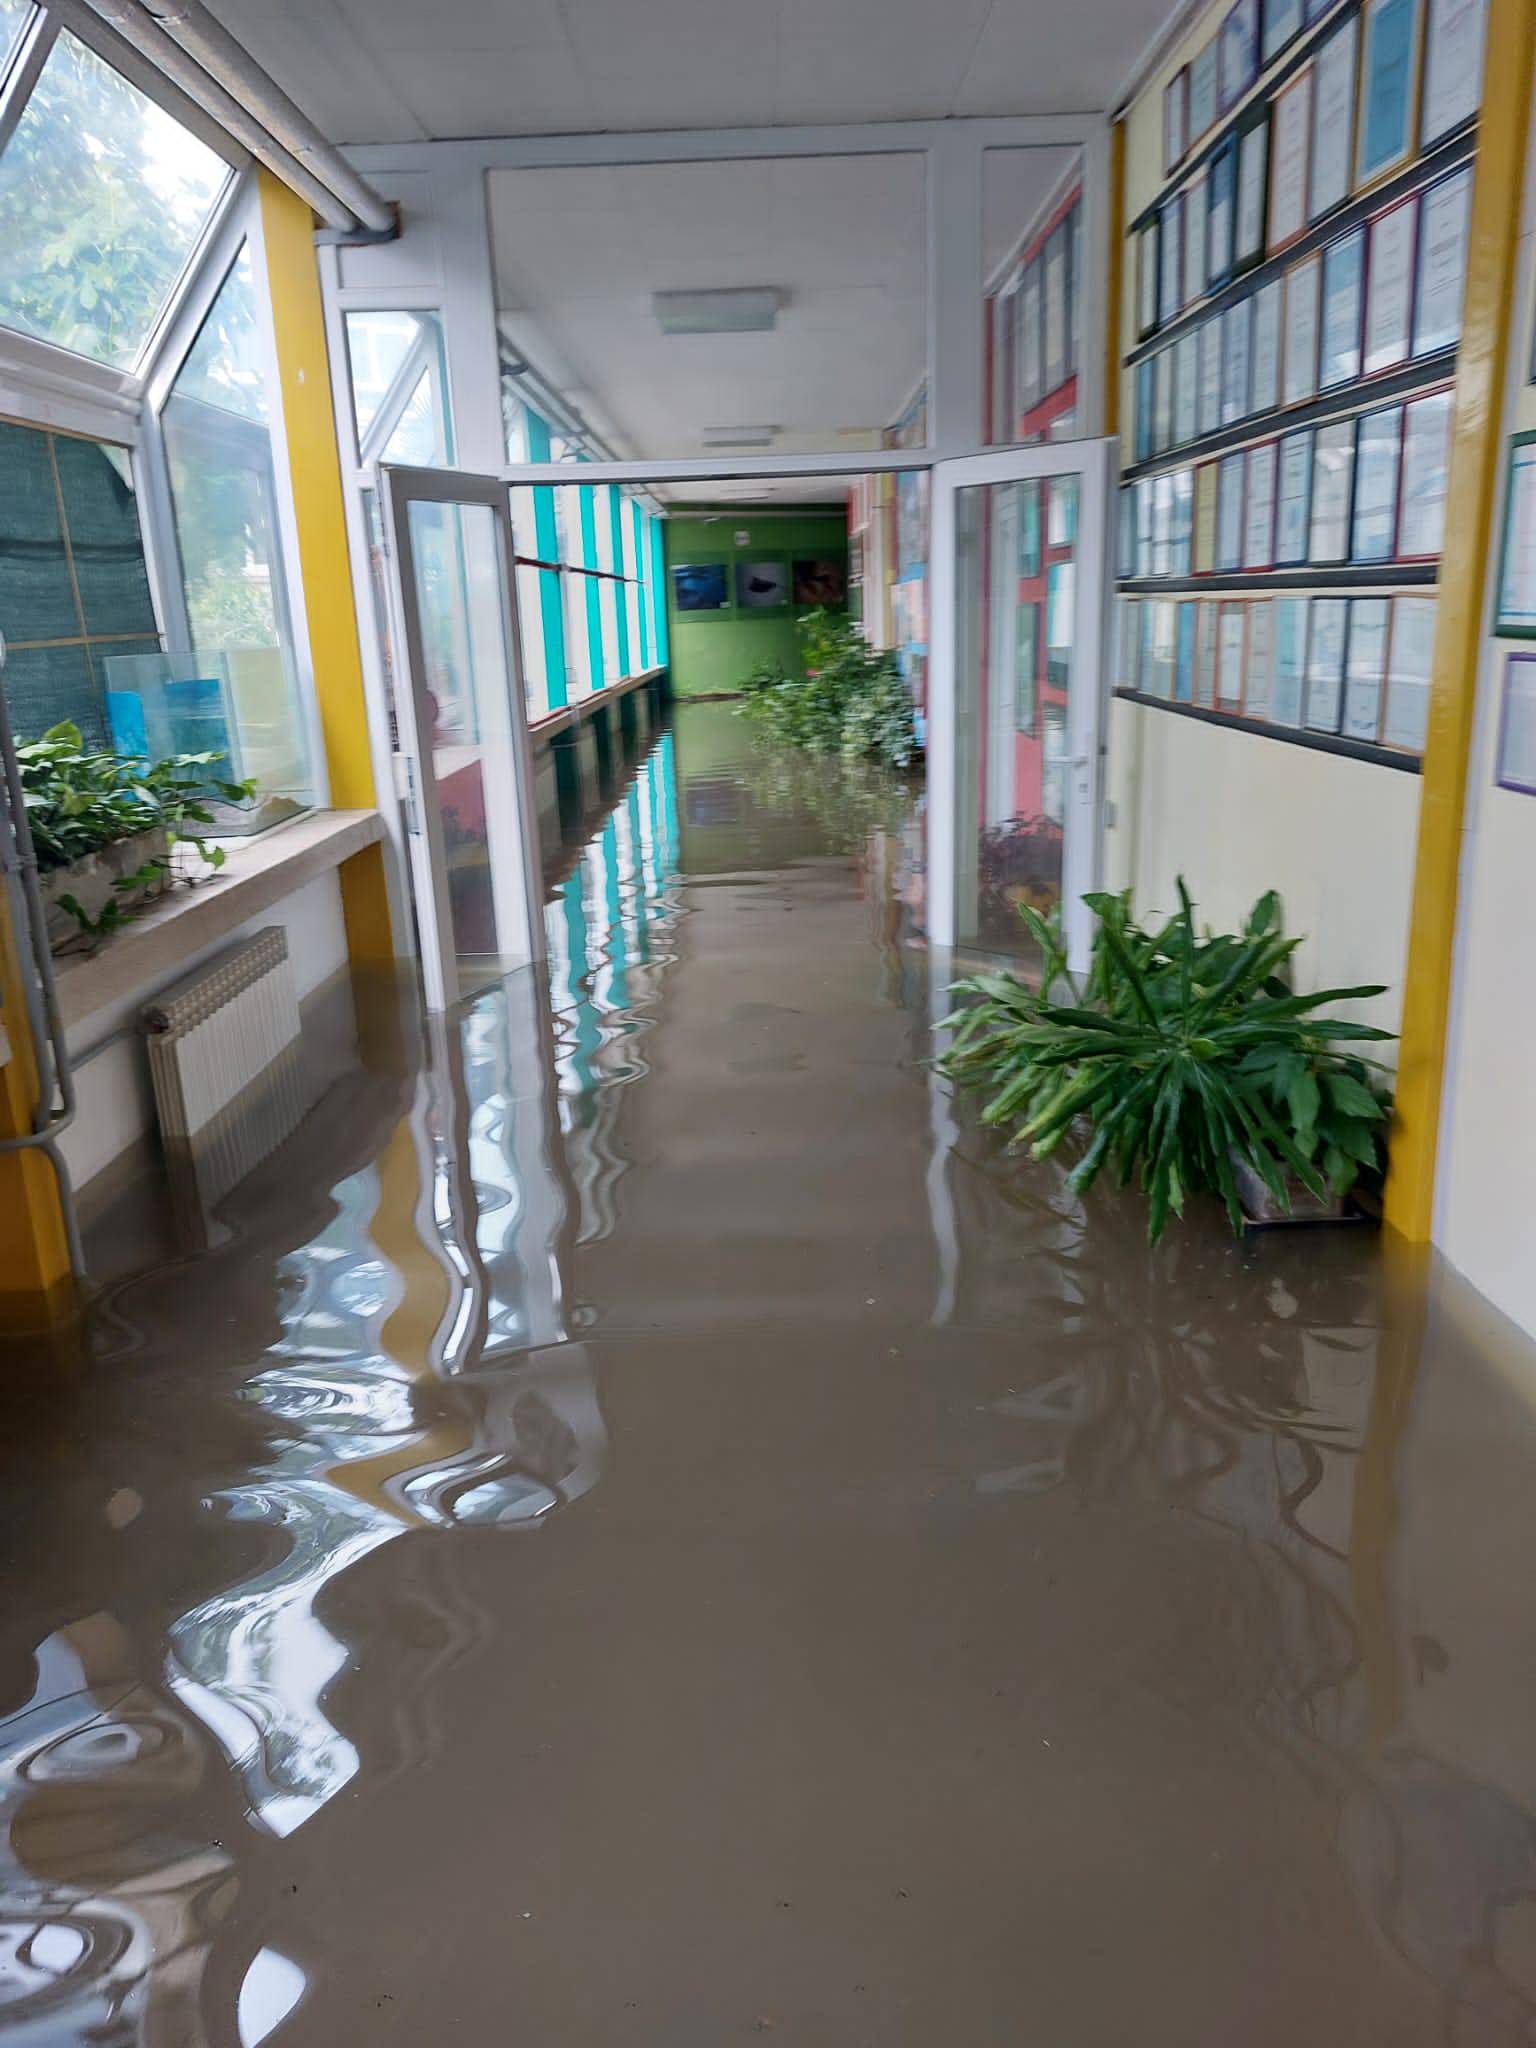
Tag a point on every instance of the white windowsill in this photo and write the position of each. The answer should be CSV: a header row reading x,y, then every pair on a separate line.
x,y
261,872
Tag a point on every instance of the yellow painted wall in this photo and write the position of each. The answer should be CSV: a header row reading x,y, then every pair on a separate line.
x,y
1236,813
1486,1216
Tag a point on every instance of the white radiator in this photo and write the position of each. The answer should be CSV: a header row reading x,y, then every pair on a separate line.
x,y
224,1058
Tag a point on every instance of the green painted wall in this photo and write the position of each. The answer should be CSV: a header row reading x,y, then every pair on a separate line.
x,y
713,650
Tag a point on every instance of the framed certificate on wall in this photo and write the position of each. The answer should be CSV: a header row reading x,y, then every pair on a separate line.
x,y
1259,681
1289,146
1162,401
1142,442
1389,81
1209,334
1259,509
1204,553
1426,472
1236,336
1162,525
1231,654
1440,273
1237,60
1195,237
1184,653
1186,389
1517,726
1223,177
1146,279
1128,651
1252,190
1290,686
1453,66
1175,120
1157,665
1343,297
1293,500
1183,522
1170,292
1229,514
1410,665
1333,476
1282,24
1516,614
1298,352
1264,364
1144,512
1378,448
1391,240
1333,119
1365,669
1205,652
1202,92
1325,663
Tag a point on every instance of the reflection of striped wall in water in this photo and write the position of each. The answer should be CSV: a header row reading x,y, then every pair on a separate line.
x,y
224,1058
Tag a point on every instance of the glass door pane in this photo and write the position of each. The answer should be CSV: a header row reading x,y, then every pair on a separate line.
x,y
1029,569
463,729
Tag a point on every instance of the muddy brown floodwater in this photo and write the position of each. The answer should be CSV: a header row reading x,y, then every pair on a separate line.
x,y
644,1526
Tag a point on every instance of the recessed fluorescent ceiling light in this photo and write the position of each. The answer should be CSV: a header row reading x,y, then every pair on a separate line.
x,y
737,309
739,437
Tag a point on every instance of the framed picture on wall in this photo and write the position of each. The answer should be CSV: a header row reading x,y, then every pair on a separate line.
x,y
1333,119
1426,472
1440,265
1365,668
1290,686
1184,652
1231,654
1237,61
1378,458
1195,240
1516,766
1298,351
1515,617
1202,92
700,587
1326,640
1264,369
1343,300
1162,401
1236,349
1290,138
1389,85
1391,240
1186,389
1252,190
762,586
1453,66
1175,121
1220,203
1146,278
820,582
1293,500
1142,439
1230,507
1333,477
1259,510
1258,683
1282,24
1209,336
1207,629
1410,666
1171,261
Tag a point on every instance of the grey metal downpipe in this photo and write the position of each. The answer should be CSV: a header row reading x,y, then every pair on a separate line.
x,y
233,96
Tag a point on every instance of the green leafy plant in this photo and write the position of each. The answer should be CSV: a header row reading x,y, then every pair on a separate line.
x,y
1182,1056
851,698
80,800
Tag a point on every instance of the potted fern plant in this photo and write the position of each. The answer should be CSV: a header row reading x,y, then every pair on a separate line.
x,y
103,828
1185,1061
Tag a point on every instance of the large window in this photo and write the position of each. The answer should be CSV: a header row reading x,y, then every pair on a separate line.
x,y
399,388
73,586
103,197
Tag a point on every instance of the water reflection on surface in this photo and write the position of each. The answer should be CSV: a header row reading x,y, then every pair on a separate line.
x,y
650,1525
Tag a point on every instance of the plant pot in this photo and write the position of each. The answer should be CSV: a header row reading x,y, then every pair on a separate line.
x,y
91,881
1262,1211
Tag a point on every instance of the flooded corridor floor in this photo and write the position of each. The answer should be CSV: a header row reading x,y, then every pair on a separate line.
x,y
645,1527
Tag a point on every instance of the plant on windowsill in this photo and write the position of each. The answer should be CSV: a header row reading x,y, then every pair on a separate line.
x,y
1186,1062
104,829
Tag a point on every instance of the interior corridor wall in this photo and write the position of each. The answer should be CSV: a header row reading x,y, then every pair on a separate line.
x,y
766,569
1244,331
1486,1212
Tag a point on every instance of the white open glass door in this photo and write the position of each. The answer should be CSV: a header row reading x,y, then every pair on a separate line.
x,y
463,729
1019,597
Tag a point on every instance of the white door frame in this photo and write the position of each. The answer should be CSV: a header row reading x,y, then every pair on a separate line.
x,y
1093,464
516,874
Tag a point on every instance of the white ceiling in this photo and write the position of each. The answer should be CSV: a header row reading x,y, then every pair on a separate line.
x,y
407,70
